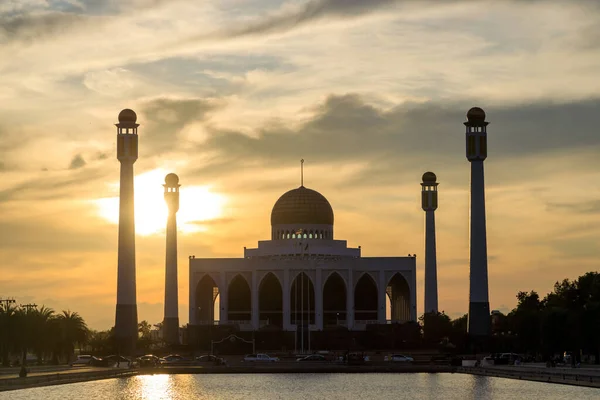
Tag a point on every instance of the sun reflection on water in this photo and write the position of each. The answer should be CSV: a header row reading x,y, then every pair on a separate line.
x,y
155,387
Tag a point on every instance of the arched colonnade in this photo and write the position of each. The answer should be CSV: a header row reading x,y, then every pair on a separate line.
x,y
317,298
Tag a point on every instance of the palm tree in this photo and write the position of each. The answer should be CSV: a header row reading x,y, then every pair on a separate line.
x,y
8,331
42,341
73,330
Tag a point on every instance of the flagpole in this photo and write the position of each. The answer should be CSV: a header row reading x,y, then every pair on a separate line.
x,y
296,316
302,308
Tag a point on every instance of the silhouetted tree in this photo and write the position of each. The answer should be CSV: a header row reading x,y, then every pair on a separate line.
x,y
436,326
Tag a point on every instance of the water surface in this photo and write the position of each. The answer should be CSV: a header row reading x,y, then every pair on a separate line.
x,y
307,386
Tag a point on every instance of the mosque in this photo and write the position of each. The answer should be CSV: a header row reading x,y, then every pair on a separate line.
x,y
302,278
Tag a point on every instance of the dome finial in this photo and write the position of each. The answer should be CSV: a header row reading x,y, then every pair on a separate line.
x,y
302,173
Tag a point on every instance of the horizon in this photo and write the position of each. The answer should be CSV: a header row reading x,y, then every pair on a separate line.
x,y
231,95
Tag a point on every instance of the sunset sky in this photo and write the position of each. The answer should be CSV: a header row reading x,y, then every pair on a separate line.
x,y
231,94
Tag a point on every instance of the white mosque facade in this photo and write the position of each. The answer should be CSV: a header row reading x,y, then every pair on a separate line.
x,y
302,277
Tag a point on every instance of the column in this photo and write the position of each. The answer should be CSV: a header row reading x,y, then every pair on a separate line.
x,y
192,296
223,300
413,294
254,294
350,301
318,298
381,298
286,300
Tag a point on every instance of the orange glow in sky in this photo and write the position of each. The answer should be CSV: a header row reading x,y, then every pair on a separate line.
x,y
197,204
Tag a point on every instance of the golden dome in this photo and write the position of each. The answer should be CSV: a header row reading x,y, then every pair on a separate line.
x,y
302,206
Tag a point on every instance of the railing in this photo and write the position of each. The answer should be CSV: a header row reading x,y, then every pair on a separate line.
x,y
209,322
366,322
396,321
580,377
341,322
239,322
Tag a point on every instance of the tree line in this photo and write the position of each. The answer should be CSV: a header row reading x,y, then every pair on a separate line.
x,y
52,337
566,320
41,332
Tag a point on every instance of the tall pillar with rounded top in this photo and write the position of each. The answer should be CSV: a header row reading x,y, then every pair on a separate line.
x,y
126,330
429,202
479,324
171,318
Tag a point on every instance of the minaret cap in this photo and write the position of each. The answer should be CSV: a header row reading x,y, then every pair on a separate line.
x,y
127,116
429,177
476,114
171,180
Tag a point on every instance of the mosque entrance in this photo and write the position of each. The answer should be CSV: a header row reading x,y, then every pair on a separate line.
x,y
207,293
239,301
302,309
365,299
302,301
334,301
270,301
398,293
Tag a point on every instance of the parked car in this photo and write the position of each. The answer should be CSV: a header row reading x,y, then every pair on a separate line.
x,y
120,360
209,359
99,362
148,360
400,358
260,358
176,359
313,358
82,360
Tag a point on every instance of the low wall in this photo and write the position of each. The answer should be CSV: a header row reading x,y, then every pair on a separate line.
x,y
568,377
61,378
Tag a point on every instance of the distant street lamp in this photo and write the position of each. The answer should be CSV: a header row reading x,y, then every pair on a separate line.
x,y
337,318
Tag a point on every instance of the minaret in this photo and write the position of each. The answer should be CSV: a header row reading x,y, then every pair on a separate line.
x,y
126,330
429,200
171,321
479,324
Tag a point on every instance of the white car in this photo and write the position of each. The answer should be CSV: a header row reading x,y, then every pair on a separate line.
x,y
82,360
260,358
400,358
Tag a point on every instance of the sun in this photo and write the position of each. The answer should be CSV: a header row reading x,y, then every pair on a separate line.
x,y
197,204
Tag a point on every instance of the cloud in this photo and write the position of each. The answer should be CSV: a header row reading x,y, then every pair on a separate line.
x,y
77,162
213,222
45,187
312,10
584,207
164,119
389,141
29,27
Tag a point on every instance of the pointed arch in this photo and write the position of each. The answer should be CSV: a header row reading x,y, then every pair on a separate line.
x,y
270,300
398,293
239,299
207,292
365,298
334,300
302,300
